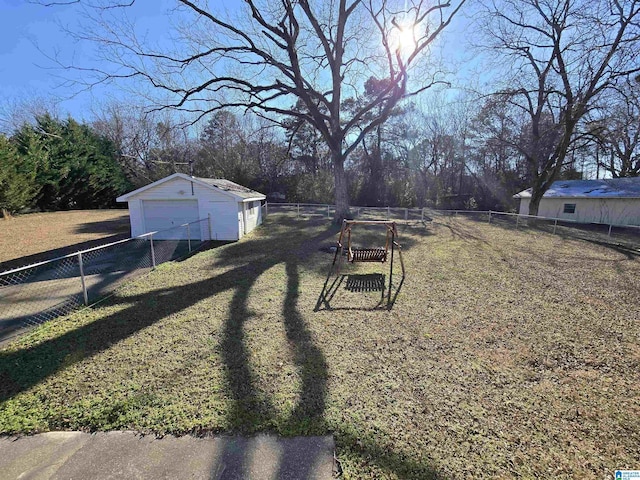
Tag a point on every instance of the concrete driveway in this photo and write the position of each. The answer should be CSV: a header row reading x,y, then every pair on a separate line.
x,y
37,294
117,455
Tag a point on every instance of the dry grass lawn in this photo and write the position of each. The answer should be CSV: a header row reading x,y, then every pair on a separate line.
x,y
34,233
506,354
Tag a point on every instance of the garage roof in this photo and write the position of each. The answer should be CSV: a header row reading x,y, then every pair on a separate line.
x,y
242,194
231,187
605,188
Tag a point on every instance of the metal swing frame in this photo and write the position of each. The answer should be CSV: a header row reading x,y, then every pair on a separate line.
x,y
381,255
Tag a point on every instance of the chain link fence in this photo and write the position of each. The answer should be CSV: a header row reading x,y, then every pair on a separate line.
x,y
624,236
36,293
312,210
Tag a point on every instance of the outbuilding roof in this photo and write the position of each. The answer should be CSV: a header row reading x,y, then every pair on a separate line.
x,y
232,187
242,194
605,188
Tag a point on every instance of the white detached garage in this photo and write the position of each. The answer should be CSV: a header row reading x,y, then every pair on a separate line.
x,y
178,199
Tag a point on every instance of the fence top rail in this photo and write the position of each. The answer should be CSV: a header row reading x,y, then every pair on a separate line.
x,y
281,204
458,211
428,209
368,207
93,249
564,220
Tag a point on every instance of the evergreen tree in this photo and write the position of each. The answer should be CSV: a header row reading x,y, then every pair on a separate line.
x,y
75,167
18,187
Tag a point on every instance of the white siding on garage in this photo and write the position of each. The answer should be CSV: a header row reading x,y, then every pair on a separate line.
x,y
254,214
135,217
616,211
524,206
241,217
224,221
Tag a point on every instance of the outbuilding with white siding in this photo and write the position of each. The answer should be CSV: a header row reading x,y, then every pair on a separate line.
x,y
613,201
172,201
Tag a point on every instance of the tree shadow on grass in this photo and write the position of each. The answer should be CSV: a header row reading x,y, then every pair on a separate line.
x,y
24,368
401,465
249,408
120,225
53,290
627,243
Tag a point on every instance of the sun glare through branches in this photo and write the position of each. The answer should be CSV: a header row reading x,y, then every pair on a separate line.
x,y
403,39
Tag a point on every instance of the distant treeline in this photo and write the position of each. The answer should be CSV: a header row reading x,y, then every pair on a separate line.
x,y
460,154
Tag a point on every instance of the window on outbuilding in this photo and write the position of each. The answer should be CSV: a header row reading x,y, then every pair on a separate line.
x,y
252,209
569,208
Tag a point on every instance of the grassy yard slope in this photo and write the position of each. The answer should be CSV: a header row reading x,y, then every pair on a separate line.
x,y
507,353
40,232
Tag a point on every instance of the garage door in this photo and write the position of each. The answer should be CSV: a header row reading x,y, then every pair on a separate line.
x,y
166,216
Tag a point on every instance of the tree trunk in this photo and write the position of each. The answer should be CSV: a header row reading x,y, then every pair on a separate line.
x,y
5,214
341,192
534,203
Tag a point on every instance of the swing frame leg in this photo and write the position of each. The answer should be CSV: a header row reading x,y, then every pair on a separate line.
x,y
391,267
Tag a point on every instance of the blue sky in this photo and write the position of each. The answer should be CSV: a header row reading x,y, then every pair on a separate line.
x,y
29,33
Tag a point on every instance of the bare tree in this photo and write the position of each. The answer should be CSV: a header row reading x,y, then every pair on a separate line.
x,y
616,131
149,144
273,54
438,153
15,112
562,54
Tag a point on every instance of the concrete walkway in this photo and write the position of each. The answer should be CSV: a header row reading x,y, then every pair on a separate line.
x,y
127,455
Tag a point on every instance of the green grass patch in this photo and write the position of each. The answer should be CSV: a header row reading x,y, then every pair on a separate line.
x,y
506,353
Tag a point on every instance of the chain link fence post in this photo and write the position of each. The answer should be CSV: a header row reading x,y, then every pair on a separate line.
x,y
84,285
555,224
209,223
153,253
59,286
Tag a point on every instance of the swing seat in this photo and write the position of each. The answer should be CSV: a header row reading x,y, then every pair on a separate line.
x,y
367,255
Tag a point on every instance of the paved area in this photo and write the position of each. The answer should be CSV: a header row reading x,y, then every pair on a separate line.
x,y
37,294
120,455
